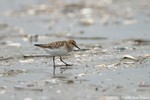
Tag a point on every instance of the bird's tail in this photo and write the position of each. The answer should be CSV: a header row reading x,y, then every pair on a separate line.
x,y
40,45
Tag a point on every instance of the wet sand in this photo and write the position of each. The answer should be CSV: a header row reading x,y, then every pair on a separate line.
x,y
112,65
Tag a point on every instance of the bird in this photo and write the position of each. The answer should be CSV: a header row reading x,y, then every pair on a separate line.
x,y
59,48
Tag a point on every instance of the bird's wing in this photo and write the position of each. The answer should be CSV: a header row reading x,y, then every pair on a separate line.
x,y
53,45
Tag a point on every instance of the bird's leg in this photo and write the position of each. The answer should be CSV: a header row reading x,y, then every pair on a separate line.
x,y
65,62
54,65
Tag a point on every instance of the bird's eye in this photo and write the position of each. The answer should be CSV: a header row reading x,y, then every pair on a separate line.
x,y
73,43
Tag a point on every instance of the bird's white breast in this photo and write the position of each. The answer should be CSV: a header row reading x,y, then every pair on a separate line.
x,y
57,51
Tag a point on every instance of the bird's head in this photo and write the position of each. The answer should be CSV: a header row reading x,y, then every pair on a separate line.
x,y
73,43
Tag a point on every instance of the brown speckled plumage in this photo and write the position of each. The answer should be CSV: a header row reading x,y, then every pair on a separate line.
x,y
52,45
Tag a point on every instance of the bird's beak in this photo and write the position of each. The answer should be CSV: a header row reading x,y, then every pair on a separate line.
x,y
77,47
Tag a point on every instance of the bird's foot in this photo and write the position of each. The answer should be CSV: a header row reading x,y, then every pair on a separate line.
x,y
69,64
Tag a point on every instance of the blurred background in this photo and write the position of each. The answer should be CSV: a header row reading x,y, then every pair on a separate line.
x,y
112,19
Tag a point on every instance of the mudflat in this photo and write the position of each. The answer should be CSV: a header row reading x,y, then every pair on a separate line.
x,y
114,61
